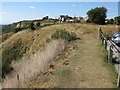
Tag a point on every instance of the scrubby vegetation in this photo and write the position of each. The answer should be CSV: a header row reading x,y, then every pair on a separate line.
x,y
64,35
26,43
30,24
8,28
117,20
13,53
38,24
16,51
32,27
19,29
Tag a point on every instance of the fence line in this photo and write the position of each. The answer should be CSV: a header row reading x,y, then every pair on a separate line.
x,y
113,51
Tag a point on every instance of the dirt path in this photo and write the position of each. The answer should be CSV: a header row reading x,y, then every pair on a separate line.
x,y
83,69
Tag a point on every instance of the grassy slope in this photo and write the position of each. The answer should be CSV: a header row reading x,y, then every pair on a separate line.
x,y
29,41
25,43
85,67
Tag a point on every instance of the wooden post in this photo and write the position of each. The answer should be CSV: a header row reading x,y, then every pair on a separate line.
x,y
18,80
110,54
118,81
106,44
99,33
102,40
107,37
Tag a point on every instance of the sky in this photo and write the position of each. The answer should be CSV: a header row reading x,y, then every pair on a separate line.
x,y
17,11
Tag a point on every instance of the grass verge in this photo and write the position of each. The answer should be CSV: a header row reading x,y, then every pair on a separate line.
x,y
109,65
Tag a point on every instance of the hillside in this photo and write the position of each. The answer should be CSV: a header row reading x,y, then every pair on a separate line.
x,y
22,25
26,43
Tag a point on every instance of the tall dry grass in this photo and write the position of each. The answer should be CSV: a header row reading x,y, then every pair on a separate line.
x,y
29,68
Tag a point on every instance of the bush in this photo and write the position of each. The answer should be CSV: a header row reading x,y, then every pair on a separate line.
x,y
38,24
17,30
117,20
48,40
32,26
64,35
14,52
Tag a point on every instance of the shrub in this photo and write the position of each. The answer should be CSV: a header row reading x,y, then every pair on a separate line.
x,y
38,24
64,35
117,20
32,26
48,40
17,30
14,52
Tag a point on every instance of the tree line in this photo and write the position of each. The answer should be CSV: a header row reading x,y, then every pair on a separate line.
x,y
98,16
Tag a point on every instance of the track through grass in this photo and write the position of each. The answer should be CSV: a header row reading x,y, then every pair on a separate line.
x,y
84,69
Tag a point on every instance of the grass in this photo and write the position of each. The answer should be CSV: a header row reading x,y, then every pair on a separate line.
x,y
64,73
75,58
6,36
109,65
31,41
110,29
58,78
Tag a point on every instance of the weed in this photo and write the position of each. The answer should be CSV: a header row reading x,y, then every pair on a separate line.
x,y
48,40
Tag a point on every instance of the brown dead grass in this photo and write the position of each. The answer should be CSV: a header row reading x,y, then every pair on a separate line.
x,y
85,68
29,67
33,40
98,75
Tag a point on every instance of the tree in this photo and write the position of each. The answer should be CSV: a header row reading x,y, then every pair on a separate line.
x,y
110,21
97,15
45,18
32,26
67,17
18,29
117,20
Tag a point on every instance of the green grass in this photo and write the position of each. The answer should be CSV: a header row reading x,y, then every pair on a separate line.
x,y
75,58
109,65
64,73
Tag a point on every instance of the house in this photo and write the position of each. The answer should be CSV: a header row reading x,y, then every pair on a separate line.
x,y
62,18
84,19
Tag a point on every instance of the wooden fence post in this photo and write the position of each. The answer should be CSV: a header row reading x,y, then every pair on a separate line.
x,y
18,80
102,40
110,54
118,81
106,44
99,33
